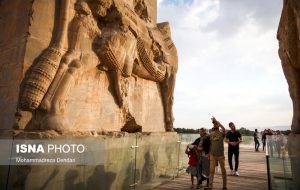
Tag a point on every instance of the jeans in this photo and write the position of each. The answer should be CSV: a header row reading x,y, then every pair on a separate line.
x,y
256,145
264,143
233,151
213,160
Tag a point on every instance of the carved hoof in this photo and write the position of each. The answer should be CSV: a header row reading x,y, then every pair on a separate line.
x,y
22,119
56,122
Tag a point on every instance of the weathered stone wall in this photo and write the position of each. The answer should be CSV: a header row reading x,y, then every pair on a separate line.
x,y
14,22
28,30
289,52
97,110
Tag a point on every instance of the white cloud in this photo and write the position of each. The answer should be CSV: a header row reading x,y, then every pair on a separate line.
x,y
228,63
159,2
200,14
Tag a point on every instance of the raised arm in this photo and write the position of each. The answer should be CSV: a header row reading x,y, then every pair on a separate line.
x,y
222,127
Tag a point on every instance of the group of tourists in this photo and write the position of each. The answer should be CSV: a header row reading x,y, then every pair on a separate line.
x,y
207,151
275,141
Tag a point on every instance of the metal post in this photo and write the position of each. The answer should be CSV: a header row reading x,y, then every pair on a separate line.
x,y
178,163
268,166
135,156
268,170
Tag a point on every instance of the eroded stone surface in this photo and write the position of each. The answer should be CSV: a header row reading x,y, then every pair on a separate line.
x,y
13,36
90,65
289,52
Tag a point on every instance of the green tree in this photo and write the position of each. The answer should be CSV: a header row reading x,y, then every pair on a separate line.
x,y
246,132
189,131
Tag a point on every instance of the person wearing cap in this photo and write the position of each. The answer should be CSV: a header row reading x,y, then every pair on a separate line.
x,y
216,153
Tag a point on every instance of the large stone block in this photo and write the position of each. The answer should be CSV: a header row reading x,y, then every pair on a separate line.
x,y
15,16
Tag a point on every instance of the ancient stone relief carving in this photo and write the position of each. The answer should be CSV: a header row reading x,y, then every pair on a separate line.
x,y
127,44
289,52
39,79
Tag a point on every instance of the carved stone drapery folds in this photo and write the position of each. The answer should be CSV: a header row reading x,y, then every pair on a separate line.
x,y
128,44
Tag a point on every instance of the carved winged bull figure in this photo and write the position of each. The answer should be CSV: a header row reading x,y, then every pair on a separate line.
x,y
127,44
147,52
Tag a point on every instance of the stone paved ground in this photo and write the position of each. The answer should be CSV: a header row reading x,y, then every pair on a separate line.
x,y
252,170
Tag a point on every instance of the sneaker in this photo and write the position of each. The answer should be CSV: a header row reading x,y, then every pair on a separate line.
x,y
231,172
224,188
198,186
236,173
192,186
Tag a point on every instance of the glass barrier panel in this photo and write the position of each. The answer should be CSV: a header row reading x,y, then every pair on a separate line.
x,y
156,159
280,175
120,163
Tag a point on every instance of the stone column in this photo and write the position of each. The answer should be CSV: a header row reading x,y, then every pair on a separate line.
x,y
289,52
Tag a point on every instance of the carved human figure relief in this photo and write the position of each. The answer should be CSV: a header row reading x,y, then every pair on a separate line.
x,y
127,44
40,76
82,25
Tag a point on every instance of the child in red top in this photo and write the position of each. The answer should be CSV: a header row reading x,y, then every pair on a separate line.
x,y
191,151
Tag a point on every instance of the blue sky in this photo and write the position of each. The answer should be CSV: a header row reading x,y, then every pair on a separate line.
x,y
228,62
